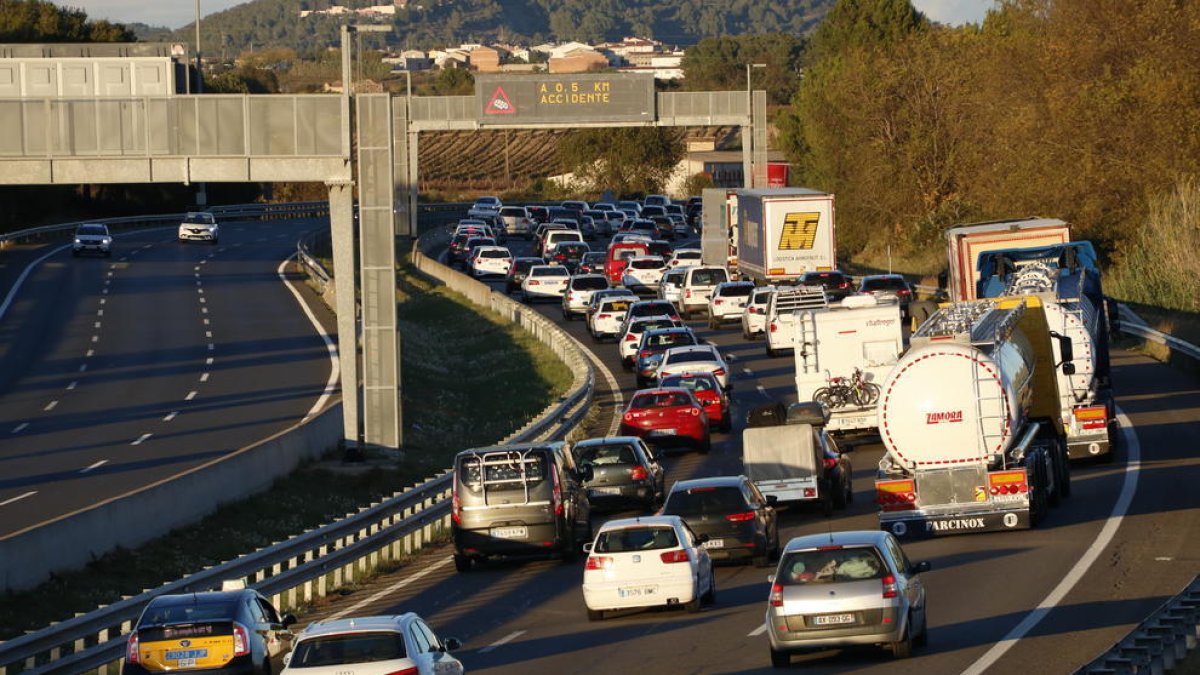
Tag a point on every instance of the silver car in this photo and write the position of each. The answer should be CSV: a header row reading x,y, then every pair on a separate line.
x,y
844,589
373,645
92,237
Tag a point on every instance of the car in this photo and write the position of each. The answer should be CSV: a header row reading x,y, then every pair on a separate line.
x,y
574,205
631,335
538,215
545,281
671,284
647,562
234,630
92,237
642,274
667,417
660,248
740,522
592,262
517,271
609,315
837,284
579,293
842,589
888,288
695,358
200,226
652,307
604,206
630,205
490,260
651,347
587,227
625,471
698,285
684,257
708,392
656,200
472,244
664,227
754,316
595,301
515,220
402,643
482,228
511,500
600,221
728,302
619,253
554,237
485,208
568,254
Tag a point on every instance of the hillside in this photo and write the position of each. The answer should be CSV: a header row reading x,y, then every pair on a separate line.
x,y
276,23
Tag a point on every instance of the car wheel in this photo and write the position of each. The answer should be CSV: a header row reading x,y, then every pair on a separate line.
x,y
780,659
710,598
595,615
626,365
693,605
902,648
706,445
923,638
726,424
839,495
462,563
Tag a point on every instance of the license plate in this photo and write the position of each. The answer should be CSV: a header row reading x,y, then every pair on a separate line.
x,y
186,655
637,591
605,491
714,543
662,432
832,619
510,532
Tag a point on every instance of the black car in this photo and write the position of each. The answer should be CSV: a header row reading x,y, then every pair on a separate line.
x,y
593,262
740,522
518,271
625,471
661,248
837,284
651,348
568,254
235,632
539,214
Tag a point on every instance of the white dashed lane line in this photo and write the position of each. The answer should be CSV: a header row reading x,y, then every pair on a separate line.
x,y
83,368
204,377
72,385
18,498
173,415
50,406
191,395
20,427
142,439
90,353
97,465
757,631
208,361
502,641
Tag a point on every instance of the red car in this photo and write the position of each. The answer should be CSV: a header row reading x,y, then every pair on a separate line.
x,y
708,392
666,416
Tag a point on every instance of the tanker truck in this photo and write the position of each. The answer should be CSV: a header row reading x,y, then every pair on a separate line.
x,y
1067,280
970,422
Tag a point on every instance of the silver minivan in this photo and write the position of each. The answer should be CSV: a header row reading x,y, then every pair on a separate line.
x,y
844,589
518,500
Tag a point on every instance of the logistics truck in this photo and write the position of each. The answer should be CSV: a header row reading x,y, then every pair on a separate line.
x,y
783,233
969,419
966,242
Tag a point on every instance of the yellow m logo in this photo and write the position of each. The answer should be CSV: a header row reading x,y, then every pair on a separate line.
x,y
799,231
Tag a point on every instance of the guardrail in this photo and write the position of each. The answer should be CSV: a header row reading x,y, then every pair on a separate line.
x,y
1159,643
315,563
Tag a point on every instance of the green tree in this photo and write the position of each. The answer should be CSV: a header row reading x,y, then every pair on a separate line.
x,y
856,24
720,64
628,161
42,21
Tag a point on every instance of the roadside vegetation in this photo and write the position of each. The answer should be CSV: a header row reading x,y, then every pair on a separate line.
x,y
468,379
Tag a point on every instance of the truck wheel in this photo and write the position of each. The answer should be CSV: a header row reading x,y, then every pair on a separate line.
x,y
839,496
1064,469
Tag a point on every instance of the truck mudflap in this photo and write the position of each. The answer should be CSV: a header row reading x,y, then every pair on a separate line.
x,y
1089,431
914,524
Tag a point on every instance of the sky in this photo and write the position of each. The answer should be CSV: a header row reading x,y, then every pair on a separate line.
x,y
178,13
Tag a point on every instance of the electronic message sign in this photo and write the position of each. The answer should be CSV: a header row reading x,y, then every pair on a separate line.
x,y
586,97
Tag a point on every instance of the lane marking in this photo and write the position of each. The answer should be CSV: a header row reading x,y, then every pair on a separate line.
x,y
202,299
390,589
172,416
204,377
95,338
141,439
90,353
757,631
12,294
191,395
103,300
197,268
96,325
208,334
748,372
208,361
206,322
104,291
50,406
18,498
203,310
97,465
1128,488
503,641
20,427
72,385
99,312
210,346
330,345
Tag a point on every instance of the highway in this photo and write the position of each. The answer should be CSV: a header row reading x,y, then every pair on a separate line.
x,y
119,372
1044,600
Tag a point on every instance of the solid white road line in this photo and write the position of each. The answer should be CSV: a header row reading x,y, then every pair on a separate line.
x,y
390,589
97,465
141,439
20,427
191,395
50,406
1128,488
502,641
330,345
18,498
757,631
172,416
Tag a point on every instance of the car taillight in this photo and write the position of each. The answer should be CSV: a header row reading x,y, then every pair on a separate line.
x,y
776,598
830,463
533,282
604,316
557,496
629,337
598,562
455,503
638,473
241,640
904,292
718,301
644,353
844,284
694,411
131,649
680,556
889,586
407,671
687,292
719,372
560,257
774,327
740,517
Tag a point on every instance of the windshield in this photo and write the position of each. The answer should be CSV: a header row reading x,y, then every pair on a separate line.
x,y
97,230
705,500
736,291
199,219
830,566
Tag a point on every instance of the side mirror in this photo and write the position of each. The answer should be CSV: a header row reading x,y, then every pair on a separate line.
x,y
287,658
701,538
289,619
587,473
920,567
1067,350
770,578
587,547
450,644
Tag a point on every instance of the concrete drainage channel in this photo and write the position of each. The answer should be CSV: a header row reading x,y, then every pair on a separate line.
x,y
316,563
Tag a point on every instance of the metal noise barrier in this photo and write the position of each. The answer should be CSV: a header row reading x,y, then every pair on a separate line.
x,y
1159,644
317,562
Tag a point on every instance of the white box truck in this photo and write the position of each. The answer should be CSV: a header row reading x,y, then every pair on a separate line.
x,y
785,232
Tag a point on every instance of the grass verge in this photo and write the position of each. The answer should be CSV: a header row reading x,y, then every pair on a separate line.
x,y
469,378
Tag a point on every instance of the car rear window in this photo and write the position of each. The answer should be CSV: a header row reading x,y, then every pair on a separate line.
x,y
336,650
512,211
761,297
690,356
670,339
662,399
199,218
884,285
736,291
699,501
606,454
501,470
827,566
687,255
615,306
193,612
589,283
626,253
636,539
493,253
654,309
825,278
572,248
646,264
693,383
550,272
709,277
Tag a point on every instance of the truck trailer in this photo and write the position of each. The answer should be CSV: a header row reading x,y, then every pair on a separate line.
x,y
783,233
969,418
718,236
965,243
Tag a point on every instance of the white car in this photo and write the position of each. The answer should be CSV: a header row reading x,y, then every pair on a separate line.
x,y
199,226
684,257
631,337
515,220
491,260
754,316
695,359
485,208
698,285
92,237
372,645
579,293
671,284
607,319
728,302
643,273
650,561
545,281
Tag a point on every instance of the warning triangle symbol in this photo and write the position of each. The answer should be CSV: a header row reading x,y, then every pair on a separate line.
x,y
499,104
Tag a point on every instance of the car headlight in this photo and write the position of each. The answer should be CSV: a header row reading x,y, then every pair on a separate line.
x,y
77,241
107,241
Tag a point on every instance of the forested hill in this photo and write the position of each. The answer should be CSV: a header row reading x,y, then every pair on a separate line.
x,y
444,22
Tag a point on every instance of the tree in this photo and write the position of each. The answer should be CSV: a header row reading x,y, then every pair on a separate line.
x,y
41,21
628,160
720,64
857,24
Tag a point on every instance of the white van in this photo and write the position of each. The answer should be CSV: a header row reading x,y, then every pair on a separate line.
x,y
697,288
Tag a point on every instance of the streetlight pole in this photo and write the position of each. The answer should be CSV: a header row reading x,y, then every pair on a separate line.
x,y
199,63
748,132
